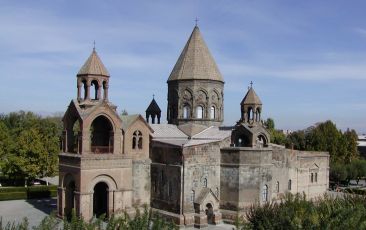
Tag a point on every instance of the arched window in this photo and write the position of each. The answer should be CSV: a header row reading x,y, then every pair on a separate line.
x,y
192,195
212,112
199,112
250,115
186,112
101,135
312,177
278,187
205,182
289,184
94,90
316,177
137,140
265,193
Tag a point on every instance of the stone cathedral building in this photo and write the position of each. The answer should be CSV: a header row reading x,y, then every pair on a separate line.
x,y
190,170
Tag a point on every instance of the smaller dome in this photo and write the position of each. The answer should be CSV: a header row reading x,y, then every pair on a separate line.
x,y
251,98
93,66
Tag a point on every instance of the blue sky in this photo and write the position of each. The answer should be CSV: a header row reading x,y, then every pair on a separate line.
x,y
307,59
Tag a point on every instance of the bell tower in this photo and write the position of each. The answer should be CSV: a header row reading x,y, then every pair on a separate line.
x,y
249,131
93,76
251,107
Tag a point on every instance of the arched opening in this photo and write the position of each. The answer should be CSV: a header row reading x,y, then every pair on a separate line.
x,y
205,182
85,86
69,199
199,112
94,90
265,193
137,140
258,115
100,199
212,112
209,213
249,114
261,141
101,135
186,112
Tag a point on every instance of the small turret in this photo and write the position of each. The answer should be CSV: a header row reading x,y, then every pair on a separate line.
x,y
154,111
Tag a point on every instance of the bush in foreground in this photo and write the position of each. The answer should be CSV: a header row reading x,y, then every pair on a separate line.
x,y
295,212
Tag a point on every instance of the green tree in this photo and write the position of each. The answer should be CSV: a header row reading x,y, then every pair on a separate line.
x,y
32,145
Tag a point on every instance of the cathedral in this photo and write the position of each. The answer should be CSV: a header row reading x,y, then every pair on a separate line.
x,y
191,170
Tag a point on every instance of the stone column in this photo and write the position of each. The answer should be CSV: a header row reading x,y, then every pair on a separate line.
x,y
79,92
61,201
64,141
106,86
87,91
99,95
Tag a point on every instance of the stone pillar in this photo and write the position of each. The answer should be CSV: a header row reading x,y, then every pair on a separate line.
x,y
106,86
99,95
79,92
118,201
87,91
64,141
85,142
61,201
83,206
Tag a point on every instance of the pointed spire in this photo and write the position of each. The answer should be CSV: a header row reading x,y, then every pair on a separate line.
x,y
195,61
251,98
93,66
153,107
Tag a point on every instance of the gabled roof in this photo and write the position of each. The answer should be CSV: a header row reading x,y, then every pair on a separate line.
x,y
251,98
93,66
205,192
128,120
153,107
195,61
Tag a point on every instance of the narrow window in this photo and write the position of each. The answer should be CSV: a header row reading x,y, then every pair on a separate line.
x,y
205,182
278,187
265,193
192,195
289,184
217,192
212,112
199,112
186,112
137,140
312,178
316,177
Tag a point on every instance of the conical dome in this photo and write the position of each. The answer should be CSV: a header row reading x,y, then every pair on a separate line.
x,y
251,98
195,61
93,66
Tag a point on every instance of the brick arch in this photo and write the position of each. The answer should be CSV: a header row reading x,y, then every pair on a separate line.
x,y
112,185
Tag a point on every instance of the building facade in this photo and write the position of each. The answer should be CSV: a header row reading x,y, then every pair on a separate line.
x,y
192,170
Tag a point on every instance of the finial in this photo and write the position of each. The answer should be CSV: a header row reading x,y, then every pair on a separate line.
x,y
153,96
196,21
94,45
251,84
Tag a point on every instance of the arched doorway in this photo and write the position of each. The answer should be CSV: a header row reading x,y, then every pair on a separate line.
x,y
101,135
100,199
209,213
69,198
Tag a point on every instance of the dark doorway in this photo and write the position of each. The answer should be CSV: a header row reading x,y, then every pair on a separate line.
x,y
210,214
100,199
69,199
